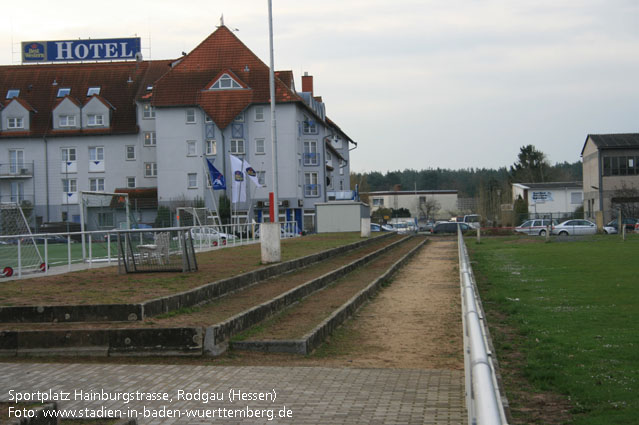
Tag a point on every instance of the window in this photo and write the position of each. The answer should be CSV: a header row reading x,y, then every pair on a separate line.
x,y
130,182
261,178
69,185
95,120
16,160
64,91
148,112
311,188
150,169
191,148
67,120
149,138
208,119
192,180
14,123
342,165
211,147
96,184
259,113
11,93
311,156
259,147
310,126
93,91
105,219
68,154
225,82
96,153
240,117
17,192
190,116
378,202
130,153
237,146
341,185
576,198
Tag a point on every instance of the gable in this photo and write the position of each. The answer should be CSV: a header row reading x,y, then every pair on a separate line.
x,y
226,80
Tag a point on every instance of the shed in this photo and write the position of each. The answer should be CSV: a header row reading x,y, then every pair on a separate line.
x,y
340,216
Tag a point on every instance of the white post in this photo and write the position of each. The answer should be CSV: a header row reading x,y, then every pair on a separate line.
x,y
365,230
478,235
270,242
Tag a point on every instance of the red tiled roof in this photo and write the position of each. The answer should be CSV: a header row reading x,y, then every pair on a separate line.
x,y
101,99
22,102
35,83
185,84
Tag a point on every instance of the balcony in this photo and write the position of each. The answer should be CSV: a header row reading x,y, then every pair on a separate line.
x,y
312,190
312,158
16,171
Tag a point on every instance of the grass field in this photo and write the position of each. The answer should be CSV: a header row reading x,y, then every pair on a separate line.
x,y
567,313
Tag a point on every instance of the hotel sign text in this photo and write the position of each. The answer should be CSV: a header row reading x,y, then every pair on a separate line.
x,y
80,50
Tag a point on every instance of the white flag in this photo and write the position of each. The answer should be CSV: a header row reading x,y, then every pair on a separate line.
x,y
239,180
251,174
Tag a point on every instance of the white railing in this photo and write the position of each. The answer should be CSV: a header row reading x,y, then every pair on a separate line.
x,y
483,399
18,253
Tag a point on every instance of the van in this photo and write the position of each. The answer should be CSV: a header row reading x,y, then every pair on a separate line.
x,y
473,220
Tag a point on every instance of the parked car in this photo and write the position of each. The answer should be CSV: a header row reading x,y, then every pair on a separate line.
x,y
376,227
613,226
388,228
535,227
450,227
575,227
210,235
473,220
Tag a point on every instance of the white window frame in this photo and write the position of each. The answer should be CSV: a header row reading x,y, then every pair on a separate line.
x,y
11,93
130,149
207,119
190,116
95,120
311,156
68,154
17,191
128,182
91,91
16,160
148,112
191,148
64,91
240,117
70,185
14,123
259,113
211,147
96,153
226,82
96,184
150,138
150,169
67,121
307,127
235,145
259,151
309,177
191,180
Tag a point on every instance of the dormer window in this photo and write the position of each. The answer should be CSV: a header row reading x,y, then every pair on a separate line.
x,y
64,91
93,91
226,82
15,123
94,120
13,93
67,120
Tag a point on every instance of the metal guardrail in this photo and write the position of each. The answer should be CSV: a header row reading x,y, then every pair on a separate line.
x,y
483,399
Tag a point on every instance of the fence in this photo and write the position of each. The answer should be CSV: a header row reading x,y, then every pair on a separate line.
x,y
483,399
66,249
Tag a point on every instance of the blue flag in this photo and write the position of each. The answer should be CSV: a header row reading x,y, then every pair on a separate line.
x,y
217,179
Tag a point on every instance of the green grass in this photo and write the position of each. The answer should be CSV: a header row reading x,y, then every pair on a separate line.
x,y
574,306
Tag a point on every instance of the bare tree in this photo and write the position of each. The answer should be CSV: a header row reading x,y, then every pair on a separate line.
x,y
428,207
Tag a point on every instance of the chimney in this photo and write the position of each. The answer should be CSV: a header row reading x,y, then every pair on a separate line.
x,y
307,83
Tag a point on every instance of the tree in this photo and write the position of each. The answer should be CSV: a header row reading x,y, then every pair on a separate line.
x,y
428,208
531,166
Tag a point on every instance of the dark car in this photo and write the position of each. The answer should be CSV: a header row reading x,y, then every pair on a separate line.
x,y
450,227
630,224
50,239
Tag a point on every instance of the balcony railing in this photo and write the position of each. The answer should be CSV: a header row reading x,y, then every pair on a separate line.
x,y
13,170
312,190
311,158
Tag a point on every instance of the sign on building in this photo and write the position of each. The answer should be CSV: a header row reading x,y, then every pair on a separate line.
x,y
80,50
541,197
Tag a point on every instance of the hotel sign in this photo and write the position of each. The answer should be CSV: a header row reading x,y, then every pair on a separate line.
x,y
80,50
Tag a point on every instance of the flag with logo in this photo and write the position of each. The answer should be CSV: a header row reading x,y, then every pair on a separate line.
x,y
217,179
239,180
251,173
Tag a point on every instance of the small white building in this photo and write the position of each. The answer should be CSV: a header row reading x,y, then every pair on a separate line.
x,y
550,197
413,200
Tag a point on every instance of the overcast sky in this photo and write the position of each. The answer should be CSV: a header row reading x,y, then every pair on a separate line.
x,y
416,83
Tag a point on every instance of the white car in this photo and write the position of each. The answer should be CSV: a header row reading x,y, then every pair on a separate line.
x,y
210,235
575,227
535,227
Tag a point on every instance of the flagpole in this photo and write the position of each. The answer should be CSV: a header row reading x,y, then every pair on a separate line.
x,y
275,210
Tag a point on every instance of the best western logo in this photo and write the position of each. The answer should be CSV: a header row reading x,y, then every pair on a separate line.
x,y
34,51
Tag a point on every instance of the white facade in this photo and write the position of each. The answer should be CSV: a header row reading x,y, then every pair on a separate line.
x,y
547,198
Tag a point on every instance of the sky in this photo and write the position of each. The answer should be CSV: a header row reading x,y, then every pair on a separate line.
x,y
416,83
